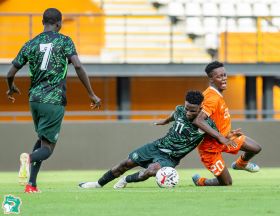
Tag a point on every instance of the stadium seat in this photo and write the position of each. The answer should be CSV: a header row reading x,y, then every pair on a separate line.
x,y
276,22
260,9
246,25
193,9
210,9
244,9
176,10
210,25
275,9
228,24
194,26
227,9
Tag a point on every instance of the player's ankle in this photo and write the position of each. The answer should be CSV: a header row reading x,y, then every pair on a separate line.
x,y
241,163
201,181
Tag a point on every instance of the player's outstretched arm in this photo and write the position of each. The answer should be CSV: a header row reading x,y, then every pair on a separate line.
x,y
11,86
200,122
165,121
95,101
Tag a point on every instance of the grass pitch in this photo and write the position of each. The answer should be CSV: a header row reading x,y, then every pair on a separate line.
x,y
251,194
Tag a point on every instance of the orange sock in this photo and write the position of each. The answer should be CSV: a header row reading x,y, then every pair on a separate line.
x,y
240,162
201,181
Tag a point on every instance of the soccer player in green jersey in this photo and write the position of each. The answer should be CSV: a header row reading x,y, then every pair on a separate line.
x,y
48,55
167,151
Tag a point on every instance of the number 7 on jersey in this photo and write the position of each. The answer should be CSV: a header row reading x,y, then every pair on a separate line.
x,y
46,49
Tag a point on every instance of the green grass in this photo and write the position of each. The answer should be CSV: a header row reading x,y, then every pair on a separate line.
x,y
251,194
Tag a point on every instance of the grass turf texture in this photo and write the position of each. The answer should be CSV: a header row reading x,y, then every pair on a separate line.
x,y
251,194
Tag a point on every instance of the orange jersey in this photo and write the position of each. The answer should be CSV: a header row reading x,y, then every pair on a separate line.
x,y
215,107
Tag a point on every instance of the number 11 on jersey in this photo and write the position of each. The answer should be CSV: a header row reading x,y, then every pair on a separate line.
x,y
179,127
46,49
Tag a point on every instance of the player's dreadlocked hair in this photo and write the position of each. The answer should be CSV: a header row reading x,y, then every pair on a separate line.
x,y
212,66
52,16
194,97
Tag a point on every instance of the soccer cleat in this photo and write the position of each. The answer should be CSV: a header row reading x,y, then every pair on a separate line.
x,y
250,167
121,183
31,189
24,170
90,185
197,180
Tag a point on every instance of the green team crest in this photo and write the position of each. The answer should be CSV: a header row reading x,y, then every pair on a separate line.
x,y
11,204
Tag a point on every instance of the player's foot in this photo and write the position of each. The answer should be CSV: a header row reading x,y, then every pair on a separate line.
x,y
198,181
121,183
90,185
250,167
24,170
31,189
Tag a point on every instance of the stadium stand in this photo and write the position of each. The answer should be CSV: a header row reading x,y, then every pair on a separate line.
x,y
204,23
26,22
151,32
149,38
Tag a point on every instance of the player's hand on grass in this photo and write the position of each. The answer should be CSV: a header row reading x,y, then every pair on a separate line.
x,y
95,102
12,91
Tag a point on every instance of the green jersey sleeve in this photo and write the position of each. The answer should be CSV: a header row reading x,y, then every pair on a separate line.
x,y
69,48
21,58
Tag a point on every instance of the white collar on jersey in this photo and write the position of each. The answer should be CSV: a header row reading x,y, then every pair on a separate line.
x,y
219,93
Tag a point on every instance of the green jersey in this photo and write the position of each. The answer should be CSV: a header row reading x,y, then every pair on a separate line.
x,y
48,55
183,136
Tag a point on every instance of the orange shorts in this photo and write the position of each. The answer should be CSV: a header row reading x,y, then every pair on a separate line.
x,y
214,161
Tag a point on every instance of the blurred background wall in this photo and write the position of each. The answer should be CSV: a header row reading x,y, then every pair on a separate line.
x,y
101,145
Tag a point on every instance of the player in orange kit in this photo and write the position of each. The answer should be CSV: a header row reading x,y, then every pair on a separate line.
x,y
226,140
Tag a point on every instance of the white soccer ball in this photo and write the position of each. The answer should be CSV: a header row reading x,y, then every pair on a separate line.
x,y
167,177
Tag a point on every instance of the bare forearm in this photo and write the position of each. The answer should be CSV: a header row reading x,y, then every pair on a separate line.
x,y
200,121
11,76
207,129
85,80
10,81
96,101
169,118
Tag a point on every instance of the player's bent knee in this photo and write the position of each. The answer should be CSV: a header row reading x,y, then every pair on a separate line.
x,y
227,183
258,149
154,166
152,173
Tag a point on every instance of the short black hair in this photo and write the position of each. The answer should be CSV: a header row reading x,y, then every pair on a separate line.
x,y
194,97
212,66
52,16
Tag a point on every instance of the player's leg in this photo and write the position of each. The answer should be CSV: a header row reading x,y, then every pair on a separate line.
x,y
24,170
143,175
250,148
37,157
214,162
224,179
135,158
117,171
25,166
149,157
159,160
111,174
47,124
